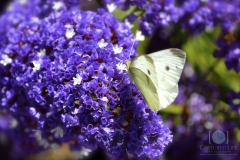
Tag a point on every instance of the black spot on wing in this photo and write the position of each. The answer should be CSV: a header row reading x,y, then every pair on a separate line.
x,y
167,68
149,72
177,52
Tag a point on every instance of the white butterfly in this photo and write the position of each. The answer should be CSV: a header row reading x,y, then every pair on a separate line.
x,y
156,76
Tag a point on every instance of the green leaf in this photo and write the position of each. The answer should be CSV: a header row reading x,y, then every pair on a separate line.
x,y
172,109
200,51
121,15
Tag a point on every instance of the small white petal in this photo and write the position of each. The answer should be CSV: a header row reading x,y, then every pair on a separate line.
x,y
13,123
42,52
104,99
38,134
82,153
57,5
35,19
5,60
22,1
117,49
139,36
236,51
77,79
86,152
121,66
68,26
37,115
44,143
54,146
75,111
127,23
101,44
37,65
70,33
58,131
111,7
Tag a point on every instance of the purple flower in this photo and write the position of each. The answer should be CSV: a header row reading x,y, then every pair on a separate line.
x,y
63,74
197,120
234,100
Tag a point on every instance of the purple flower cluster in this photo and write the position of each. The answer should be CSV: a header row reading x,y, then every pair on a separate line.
x,y
193,15
199,98
228,42
152,14
229,45
198,120
225,13
197,15
62,79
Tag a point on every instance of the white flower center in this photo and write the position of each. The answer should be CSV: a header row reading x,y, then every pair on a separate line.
x,y
102,44
121,66
57,5
77,79
117,49
22,2
127,23
111,7
5,60
70,33
42,52
37,65
139,36
58,131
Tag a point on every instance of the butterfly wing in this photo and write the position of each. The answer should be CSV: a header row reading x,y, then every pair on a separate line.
x,y
146,87
163,69
169,64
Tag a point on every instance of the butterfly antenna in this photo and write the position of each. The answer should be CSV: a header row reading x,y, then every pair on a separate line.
x,y
132,45
121,62
130,54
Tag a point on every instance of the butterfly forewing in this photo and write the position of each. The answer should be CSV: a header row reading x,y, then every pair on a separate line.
x,y
169,64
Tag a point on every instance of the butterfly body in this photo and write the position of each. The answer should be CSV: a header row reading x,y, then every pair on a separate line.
x,y
156,76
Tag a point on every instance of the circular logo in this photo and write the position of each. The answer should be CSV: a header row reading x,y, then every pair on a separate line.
x,y
218,137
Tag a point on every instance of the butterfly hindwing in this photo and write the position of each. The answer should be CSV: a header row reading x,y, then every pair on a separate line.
x,y
167,96
146,87
146,65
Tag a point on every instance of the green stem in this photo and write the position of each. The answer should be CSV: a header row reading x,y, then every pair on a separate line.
x,y
136,9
